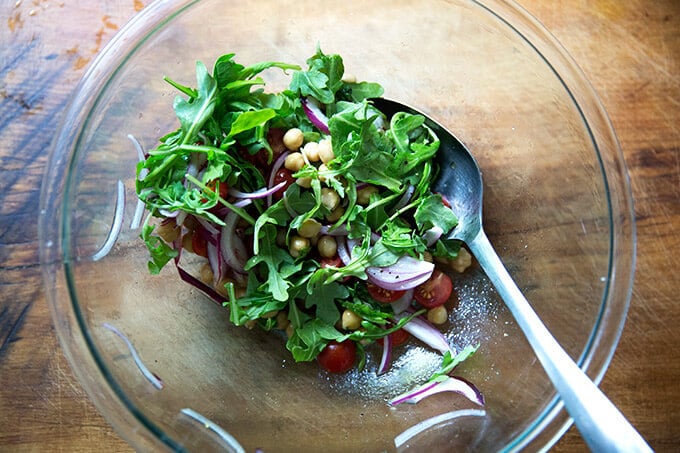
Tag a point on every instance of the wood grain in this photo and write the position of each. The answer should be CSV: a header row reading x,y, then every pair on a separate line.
x,y
630,51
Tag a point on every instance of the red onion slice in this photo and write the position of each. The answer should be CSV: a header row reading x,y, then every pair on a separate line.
x,y
405,198
315,115
446,384
261,193
403,303
427,333
276,166
432,235
232,247
343,252
198,284
406,273
386,355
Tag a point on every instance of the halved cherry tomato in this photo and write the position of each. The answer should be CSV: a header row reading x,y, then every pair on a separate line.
x,y
398,337
435,291
383,295
199,242
334,261
338,357
282,175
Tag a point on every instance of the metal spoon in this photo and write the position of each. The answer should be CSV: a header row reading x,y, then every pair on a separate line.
x,y
601,424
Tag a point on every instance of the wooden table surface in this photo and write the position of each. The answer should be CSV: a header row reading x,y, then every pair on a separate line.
x,y
629,50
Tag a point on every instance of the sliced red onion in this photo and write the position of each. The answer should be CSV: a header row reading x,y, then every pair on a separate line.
x,y
198,284
116,224
403,303
208,226
232,443
426,424
315,115
328,230
406,273
405,198
168,214
343,252
445,384
232,247
151,377
215,261
386,355
261,193
432,235
427,333
276,166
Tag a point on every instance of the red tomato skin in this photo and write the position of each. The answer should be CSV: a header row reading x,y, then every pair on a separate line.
x,y
199,242
435,291
283,175
385,296
338,357
398,337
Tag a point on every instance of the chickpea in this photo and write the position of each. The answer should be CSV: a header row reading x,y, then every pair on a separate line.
x,y
309,228
168,231
206,274
335,214
437,315
188,242
298,246
327,246
270,314
305,182
293,139
462,261
364,195
311,150
322,168
221,289
330,198
282,321
350,320
294,162
349,78
326,151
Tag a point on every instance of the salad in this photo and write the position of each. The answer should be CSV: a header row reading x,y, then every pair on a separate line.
x,y
306,211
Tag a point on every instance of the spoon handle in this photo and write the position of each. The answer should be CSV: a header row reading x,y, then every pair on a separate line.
x,y
602,425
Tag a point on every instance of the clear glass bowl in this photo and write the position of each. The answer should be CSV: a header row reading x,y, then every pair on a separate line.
x,y
557,208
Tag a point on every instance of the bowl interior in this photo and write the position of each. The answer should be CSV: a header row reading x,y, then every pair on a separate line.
x,y
553,207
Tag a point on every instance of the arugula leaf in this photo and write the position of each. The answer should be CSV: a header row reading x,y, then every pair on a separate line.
x,y
431,212
323,295
279,264
195,111
160,252
449,362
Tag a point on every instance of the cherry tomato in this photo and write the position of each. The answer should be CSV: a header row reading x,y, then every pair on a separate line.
x,y
282,175
398,337
338,357
383,295
334,261
435,291
199,242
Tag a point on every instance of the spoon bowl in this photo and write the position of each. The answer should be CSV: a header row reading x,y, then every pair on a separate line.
x,y
602,425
